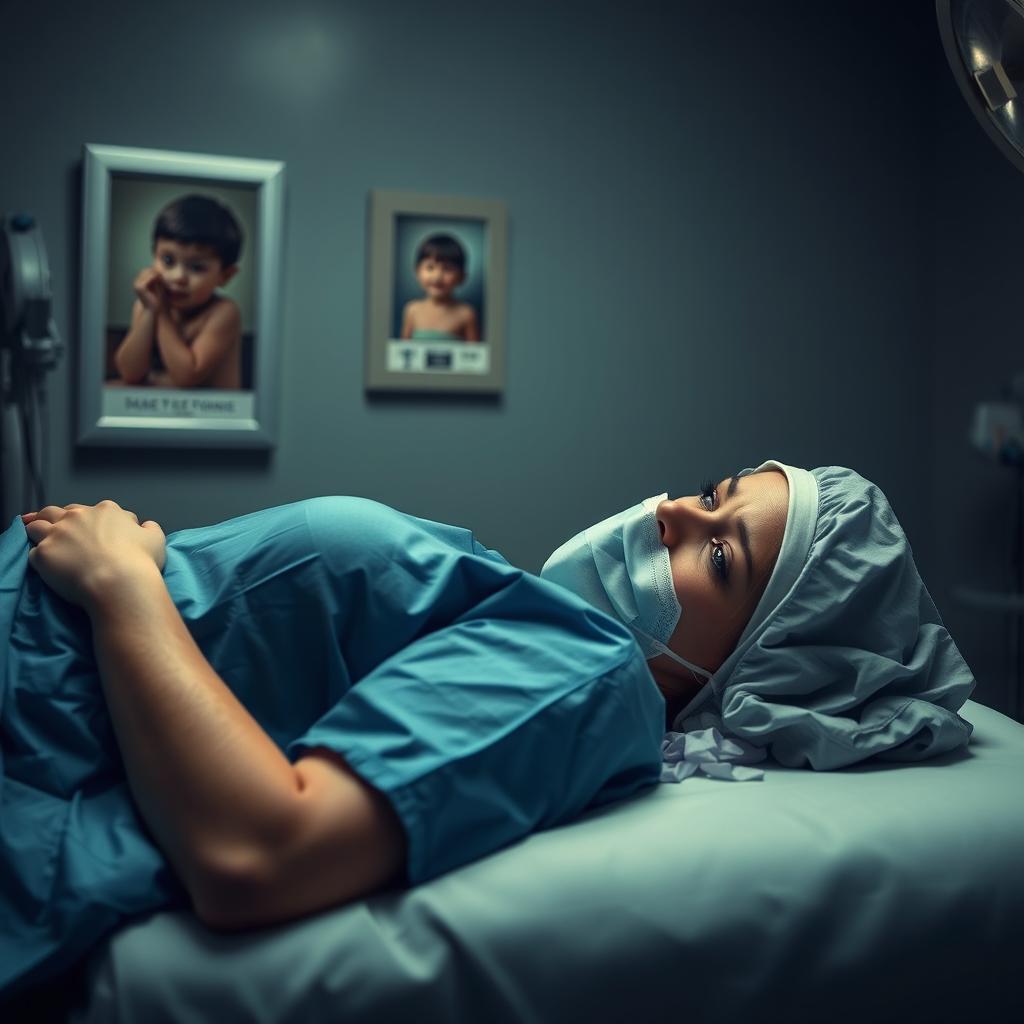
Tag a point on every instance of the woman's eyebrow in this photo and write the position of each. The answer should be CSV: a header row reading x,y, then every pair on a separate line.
x,y
745,544
744,535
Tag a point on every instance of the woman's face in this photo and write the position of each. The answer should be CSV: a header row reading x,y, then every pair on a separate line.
x,y
723,545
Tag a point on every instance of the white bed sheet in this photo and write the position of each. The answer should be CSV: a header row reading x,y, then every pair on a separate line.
x,y
874,893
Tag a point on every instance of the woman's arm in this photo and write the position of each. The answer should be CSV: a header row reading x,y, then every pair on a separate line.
x,y
254,838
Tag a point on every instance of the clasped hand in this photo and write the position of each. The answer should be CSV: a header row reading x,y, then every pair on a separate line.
x,y
81,549
150,288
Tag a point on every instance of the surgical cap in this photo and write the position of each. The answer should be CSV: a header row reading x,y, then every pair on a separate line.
x,y
845,657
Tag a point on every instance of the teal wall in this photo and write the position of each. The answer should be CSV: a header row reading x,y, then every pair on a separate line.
x,y
723,245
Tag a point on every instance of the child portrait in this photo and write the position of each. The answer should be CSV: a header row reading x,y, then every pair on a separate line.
x,y
180,298
437,293
447,275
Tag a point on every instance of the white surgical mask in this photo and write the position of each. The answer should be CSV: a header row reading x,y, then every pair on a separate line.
x,y
620,566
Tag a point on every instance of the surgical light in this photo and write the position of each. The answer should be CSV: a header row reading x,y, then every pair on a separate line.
x,y
984,44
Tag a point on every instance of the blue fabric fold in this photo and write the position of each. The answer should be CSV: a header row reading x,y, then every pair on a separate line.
x,y
483,701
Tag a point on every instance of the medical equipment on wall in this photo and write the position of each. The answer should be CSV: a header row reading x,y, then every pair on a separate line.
x,y
997,430
29,347
984,44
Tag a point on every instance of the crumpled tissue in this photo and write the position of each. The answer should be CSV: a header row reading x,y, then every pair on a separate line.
x,y
705,749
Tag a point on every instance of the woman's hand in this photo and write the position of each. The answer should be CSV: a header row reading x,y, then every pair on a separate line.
x,y
80,550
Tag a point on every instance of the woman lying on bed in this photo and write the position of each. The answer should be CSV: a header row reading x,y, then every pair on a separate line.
x,y
302,706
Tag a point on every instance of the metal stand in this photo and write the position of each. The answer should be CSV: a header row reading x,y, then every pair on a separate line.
x,y
29,348
22,441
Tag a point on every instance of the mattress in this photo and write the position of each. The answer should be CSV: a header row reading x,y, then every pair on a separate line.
x,y
877,892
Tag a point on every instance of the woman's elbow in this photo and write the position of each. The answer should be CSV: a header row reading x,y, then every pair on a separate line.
x,y
219,915
229,896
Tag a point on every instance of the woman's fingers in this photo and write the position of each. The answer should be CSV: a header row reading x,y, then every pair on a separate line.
x,y
49,514
55,512
43,521
38,529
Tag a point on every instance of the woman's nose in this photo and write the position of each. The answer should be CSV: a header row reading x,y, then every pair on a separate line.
x,y
679,518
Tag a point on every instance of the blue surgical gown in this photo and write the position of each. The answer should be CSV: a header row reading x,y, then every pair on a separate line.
x,y
484,702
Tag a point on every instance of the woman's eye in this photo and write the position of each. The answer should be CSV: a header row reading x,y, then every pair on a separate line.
x,y
719,561
707,495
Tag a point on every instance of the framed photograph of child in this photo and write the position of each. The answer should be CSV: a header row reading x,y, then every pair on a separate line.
x,y
180,308
437,293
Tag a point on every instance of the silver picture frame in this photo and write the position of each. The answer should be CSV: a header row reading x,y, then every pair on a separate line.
x,y
470,360
123,191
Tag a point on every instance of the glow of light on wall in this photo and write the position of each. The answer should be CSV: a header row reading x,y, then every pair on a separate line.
x,y
299,58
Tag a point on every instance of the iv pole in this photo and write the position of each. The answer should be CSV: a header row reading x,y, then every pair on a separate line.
x,y
29,347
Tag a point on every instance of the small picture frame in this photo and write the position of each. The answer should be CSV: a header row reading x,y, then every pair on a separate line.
x,y
180,299
436,318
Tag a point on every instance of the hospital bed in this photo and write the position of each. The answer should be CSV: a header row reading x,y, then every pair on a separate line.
x,y
875,893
